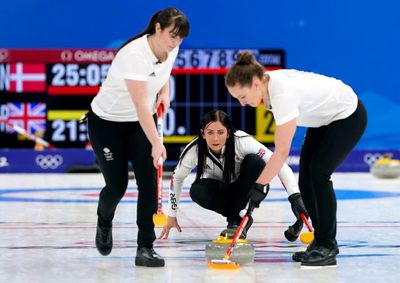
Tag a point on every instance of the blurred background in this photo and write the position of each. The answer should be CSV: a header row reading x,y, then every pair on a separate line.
x,y
355,41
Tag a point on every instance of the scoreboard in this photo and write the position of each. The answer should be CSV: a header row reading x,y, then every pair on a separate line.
x,y
47,91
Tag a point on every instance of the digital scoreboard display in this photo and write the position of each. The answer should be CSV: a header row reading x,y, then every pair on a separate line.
x,y
46,92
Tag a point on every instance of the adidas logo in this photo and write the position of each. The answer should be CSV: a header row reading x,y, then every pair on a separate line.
x,y
152,74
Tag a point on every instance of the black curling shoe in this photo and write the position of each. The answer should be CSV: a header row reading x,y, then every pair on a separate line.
x,y
300,256
230,230
148,257
232,227
320,257
104,240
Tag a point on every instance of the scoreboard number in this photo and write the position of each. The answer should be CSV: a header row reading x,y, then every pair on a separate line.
x,y
265,126
78,74
206,58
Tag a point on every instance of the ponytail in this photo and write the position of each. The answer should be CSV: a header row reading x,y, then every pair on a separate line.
x,y
244,70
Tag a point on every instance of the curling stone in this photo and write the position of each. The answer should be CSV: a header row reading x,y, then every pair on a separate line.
x,y
242,253
386,167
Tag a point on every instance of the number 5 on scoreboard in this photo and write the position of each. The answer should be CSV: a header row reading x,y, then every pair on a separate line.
x,y
265,125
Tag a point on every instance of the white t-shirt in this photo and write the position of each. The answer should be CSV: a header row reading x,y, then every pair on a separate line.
x,y
314,100
135,62
244,144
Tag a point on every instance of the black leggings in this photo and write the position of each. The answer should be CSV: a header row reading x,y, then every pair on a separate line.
x,y
324,149
228,200
114,144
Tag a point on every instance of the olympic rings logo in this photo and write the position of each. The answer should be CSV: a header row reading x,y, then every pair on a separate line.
x,y
371,158
49,161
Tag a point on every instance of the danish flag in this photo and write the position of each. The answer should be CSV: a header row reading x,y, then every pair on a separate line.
x,y
25,77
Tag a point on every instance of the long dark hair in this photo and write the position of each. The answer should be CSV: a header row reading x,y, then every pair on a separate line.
x,y
166,18
202,149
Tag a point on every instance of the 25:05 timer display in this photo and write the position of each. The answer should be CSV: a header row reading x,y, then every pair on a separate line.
x,y
77,74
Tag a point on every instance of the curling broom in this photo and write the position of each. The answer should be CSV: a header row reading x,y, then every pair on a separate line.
x,y
159,218
27,134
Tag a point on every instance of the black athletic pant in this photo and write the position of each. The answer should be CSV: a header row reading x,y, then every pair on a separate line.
x,y
228,200
114,144
324,149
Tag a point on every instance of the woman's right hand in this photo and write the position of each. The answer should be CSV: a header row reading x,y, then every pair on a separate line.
x,y
158,150
171,222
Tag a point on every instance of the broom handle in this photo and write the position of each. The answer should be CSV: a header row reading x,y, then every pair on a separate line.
x,y
239,230
160,129
304,218
236,237
26,134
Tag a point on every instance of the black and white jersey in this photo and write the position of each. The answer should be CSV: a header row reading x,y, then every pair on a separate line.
x,y
244,144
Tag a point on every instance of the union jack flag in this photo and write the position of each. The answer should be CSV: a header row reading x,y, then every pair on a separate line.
x,y
261,152
30,116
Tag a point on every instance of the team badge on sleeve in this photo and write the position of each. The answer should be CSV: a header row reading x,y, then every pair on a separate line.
x,y
261,152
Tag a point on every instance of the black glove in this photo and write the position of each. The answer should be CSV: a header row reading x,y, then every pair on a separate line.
x,y
293,232
297,205
258,193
